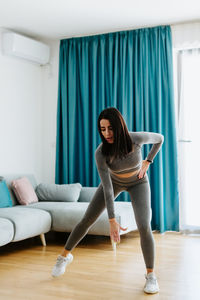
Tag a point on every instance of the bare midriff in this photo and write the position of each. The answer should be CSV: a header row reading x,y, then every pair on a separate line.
x,y
125,175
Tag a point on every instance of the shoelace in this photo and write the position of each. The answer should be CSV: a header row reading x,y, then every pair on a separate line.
x,y
59,261
152,280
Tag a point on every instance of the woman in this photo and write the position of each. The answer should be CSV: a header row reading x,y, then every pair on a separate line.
x,y
120,166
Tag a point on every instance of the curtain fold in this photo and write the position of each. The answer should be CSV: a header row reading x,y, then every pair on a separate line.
x,y
132,71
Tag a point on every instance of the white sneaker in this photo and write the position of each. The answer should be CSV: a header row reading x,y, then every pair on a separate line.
x,y
61,263
151,285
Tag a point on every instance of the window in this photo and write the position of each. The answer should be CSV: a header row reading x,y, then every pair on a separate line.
x,y
189,139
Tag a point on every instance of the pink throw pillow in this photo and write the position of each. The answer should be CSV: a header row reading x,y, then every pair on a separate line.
x,y
24,191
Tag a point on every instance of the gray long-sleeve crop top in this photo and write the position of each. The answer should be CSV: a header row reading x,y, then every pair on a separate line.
x,y
131,162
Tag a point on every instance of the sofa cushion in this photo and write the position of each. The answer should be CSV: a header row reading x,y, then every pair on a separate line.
x,y
6,231
87,194
28,222
5,200
66,215
58,192
10,177
24,191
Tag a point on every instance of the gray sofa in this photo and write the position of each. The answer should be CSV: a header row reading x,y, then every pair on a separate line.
x,y
20,222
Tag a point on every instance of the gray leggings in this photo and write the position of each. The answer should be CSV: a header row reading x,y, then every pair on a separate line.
x,y
139,191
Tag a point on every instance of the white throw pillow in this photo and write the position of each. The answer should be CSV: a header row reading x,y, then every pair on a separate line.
x,y
58,192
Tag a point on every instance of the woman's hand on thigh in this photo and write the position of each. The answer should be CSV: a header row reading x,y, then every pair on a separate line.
x,y
144,168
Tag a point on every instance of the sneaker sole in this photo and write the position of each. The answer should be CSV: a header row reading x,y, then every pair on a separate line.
x,y
152,292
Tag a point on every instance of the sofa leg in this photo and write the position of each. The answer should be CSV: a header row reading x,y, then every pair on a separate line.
x,y
42,237
113,245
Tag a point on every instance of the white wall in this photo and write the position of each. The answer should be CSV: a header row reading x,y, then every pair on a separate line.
x,y
50,92
21,110
28,107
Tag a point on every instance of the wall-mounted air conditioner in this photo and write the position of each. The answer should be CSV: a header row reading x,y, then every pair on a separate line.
x,y
23,47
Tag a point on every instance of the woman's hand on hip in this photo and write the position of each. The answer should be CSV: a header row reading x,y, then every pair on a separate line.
x,y
114,230
144,168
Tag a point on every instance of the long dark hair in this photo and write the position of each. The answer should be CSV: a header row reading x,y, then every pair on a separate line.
x,y
122,142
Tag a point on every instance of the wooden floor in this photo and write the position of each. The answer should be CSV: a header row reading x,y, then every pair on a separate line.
x,y
97,273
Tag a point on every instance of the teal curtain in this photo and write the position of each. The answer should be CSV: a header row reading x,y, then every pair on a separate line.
x,y
132,71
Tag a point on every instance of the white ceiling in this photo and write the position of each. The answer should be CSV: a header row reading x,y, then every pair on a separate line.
x,y
58,19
